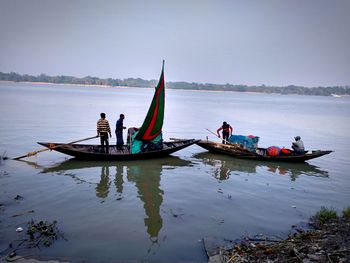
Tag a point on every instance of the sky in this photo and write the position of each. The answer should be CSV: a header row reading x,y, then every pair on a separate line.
x,y
250,42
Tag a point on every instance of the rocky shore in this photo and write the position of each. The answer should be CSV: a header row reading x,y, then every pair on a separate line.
x,y
328,240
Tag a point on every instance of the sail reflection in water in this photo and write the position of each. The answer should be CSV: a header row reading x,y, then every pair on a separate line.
x,y
145,175
224,166
147,182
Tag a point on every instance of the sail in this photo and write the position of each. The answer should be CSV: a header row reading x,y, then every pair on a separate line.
x,y
153,123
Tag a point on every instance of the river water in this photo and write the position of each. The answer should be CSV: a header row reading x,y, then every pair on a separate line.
x,y
160,210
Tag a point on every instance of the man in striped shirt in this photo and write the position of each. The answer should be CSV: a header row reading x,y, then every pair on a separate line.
x,y
103,130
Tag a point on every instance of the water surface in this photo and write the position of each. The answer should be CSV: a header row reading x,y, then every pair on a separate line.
x,y
160,210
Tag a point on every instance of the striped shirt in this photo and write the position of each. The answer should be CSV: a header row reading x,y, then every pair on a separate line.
x,y
103,126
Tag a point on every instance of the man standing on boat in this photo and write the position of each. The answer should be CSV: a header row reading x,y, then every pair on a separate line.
x,y
103,130
298,145
119,132
226,131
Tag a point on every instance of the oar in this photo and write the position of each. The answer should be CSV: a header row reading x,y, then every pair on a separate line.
x,y
51,148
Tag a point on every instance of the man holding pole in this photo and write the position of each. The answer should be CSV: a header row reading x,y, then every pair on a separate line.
x,y
226,131
103,130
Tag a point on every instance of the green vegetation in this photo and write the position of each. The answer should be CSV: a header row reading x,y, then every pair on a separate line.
x,y
325,215
132,82
346,213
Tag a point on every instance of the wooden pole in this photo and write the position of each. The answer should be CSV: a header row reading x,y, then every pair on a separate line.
x,y
218,136
51,148
230,144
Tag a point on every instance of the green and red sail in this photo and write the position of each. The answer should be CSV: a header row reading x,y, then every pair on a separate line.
x,y
153,123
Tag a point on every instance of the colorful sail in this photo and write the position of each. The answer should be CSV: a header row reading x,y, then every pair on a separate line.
x,y
153,123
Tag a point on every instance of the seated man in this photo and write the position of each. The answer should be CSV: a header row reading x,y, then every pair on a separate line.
x,y
298,145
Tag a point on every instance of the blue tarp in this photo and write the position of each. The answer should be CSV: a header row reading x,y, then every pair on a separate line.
x,y
247,142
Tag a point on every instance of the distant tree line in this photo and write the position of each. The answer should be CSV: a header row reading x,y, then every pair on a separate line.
x,y
138,82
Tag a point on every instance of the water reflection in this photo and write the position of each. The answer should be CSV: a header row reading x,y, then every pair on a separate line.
x,y
147,182
102,188
146,175
118,182
225,165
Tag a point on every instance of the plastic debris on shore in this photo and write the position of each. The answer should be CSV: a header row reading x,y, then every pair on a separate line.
x,y
37,235
19,229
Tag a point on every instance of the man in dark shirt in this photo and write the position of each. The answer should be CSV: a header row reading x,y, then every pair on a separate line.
x,y
226,131
119,132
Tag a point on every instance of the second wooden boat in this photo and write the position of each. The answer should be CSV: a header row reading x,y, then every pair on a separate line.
x,y
260,154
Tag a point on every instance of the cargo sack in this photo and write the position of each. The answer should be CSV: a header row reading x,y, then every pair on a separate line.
x,y
273,151
285,151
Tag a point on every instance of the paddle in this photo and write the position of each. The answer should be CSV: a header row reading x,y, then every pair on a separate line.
x,y
51,148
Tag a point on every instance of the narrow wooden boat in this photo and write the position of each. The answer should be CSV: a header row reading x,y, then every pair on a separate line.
x,y
94,152
260,154
148,136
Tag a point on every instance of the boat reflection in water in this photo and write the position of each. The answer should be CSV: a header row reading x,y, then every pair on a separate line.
x,y
145,175
225,165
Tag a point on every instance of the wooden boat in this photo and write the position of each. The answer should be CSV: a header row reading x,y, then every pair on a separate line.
x,y
260,154
94,152
148,136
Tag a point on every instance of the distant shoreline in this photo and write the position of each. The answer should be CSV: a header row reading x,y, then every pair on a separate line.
x,y
126,87
335,91
64,84
184,89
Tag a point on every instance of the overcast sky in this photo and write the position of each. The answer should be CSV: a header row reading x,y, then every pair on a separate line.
x,y
272,42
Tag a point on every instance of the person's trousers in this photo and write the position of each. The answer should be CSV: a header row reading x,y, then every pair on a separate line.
x,y
104,142
225,136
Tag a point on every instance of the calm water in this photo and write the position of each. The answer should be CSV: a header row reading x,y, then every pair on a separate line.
x,y
160,210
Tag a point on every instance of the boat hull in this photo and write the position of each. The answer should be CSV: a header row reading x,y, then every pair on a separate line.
x,y
93,152
245,154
